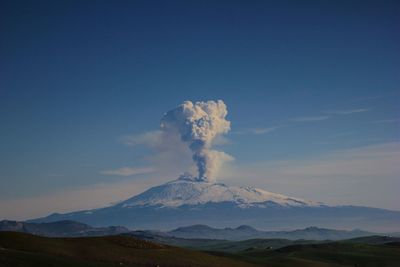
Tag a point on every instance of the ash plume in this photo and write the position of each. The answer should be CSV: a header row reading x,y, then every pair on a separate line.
x,y
197,125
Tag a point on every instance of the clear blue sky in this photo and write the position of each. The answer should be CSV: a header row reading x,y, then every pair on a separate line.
x,y
301,79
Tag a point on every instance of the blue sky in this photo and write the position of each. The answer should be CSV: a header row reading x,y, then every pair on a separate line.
x,y
304,83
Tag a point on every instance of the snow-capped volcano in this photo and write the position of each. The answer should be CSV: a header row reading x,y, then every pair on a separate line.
x,y
187,191
188,201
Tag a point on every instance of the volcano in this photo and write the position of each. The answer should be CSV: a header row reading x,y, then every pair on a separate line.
x,y
187,201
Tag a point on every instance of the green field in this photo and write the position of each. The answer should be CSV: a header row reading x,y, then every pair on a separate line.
x,y
25,250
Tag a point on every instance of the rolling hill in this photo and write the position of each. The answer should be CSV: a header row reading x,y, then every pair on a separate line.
x,y
20,249
25,250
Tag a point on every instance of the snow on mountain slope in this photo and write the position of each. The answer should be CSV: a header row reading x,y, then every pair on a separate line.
x,y
185,191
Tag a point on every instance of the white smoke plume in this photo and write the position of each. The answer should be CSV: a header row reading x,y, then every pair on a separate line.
x,y
198,125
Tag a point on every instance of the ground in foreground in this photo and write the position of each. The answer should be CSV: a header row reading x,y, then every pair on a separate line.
x,y
20,249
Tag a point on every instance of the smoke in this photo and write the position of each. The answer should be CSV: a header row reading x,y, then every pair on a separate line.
x,y
198,125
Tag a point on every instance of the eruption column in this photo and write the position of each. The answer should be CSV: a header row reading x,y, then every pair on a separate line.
x,y
198,125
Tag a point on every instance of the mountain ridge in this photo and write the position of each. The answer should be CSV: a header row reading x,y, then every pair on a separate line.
x,y
199,231
65,228
245,232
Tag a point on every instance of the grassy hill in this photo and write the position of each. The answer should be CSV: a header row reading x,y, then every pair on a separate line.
x,y
327,254
25,250
20,249
375,240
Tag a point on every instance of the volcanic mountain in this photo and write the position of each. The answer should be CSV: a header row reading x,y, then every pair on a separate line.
x,y
186,201
186,191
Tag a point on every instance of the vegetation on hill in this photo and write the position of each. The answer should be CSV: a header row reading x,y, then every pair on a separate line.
x,y
333,254
25,250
